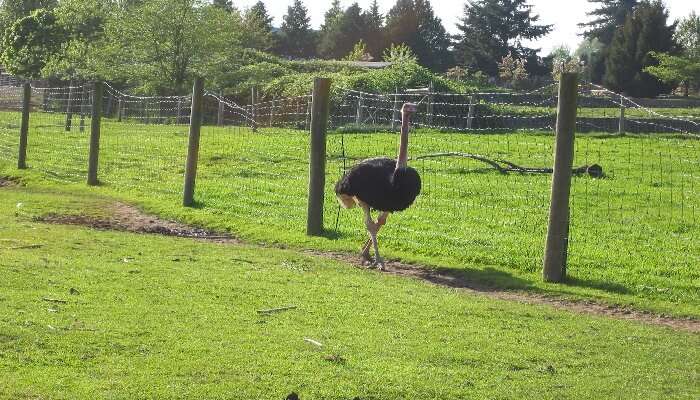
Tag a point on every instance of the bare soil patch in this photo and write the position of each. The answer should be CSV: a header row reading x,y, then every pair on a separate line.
x,y
128,218
6,181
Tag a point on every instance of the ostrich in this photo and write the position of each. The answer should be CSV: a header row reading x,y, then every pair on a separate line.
x,y
382,184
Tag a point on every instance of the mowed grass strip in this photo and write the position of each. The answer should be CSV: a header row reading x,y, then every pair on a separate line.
x,y
633,233
102,314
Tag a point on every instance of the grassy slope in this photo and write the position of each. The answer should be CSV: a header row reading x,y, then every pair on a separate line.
x,y
634,234
158,317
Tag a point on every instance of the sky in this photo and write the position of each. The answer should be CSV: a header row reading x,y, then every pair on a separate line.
x,y
564,14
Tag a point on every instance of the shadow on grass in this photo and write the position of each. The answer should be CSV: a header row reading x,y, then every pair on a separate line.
x,y
599,285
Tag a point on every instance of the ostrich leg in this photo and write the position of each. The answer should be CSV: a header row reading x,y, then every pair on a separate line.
x,y
373,228
381,221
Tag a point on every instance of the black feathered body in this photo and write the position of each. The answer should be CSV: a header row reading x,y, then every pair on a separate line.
x,y
380,185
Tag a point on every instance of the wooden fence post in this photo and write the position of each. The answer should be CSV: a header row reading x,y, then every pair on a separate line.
x,y
119,110
555,255
360,103
220,110
272,111
24,127
621,125
93,161
470,115
69,107
193,146
83,100
317,158
395,109
253,100
431,105
178,112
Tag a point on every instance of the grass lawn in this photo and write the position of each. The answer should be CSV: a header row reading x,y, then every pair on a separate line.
x,y
634,234
692,113
143,316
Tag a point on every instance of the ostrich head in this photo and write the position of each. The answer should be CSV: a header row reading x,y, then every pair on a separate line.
x,y
406,111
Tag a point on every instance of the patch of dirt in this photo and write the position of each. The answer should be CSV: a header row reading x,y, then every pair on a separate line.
x,y
131,219
6,181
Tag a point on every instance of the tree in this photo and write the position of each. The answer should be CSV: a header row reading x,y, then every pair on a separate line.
x,y
413,22
400,54
607,17
258,28
512,70
12,10
297,39
226,5
591,52
359,53
492,29
374,36
342,31
163,58
683,70
29,42
688,35
645,30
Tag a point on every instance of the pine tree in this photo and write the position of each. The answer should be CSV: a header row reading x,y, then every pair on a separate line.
x,y
258,28
413,22
374,37
492,29
330,31
297,39
644,31
609,15
226,5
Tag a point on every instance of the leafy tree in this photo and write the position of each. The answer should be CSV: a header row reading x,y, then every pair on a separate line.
x,y
644,31
12,10
683,70
492,29
359,53
83,22
297,39
162,58
512,70
400,54
413,22
591,52
258,28
688,35
29,42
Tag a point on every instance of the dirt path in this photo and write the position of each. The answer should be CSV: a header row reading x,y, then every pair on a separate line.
x,y
128,218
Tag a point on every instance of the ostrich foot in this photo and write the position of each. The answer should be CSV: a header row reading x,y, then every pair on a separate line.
x,y
379,264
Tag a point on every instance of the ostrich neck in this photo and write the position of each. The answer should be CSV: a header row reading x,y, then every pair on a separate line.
x,y
402,161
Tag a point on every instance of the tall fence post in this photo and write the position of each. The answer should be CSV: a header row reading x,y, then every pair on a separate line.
x,y
193,145
69,107
317,158
621,125
24,127
358,117
253,100
272,111
395,109
93,160
220,110
83,100
119,109
431,104
470,115
554,269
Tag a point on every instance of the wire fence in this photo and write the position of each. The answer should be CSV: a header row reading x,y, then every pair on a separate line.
x,y
484,159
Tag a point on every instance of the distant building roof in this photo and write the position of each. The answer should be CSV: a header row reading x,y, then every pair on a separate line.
x,y
368,64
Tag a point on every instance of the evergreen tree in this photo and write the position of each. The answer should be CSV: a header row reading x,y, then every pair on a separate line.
x,y
226,5
297,39
330,31
374,37
413,22
644,31
492,29
343,32
607,17
258,28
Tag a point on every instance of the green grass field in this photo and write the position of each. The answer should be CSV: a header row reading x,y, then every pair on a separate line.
x,y
634,234
143,316
692,113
